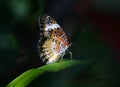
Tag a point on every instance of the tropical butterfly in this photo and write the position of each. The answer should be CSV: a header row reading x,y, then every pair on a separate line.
x,y
53,42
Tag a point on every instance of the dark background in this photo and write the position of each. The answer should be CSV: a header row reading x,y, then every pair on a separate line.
x,y
92,26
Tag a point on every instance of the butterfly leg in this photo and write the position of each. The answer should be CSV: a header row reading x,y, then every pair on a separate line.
x,y
61,58
70,55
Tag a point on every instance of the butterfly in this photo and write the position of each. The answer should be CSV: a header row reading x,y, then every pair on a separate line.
x,y
53,43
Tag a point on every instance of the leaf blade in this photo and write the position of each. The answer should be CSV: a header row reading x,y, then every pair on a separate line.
x,y
25,78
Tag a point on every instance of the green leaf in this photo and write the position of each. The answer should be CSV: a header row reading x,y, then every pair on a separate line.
x,y
57,66
28,76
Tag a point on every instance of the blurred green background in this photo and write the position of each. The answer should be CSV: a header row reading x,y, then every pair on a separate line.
x,y
92,26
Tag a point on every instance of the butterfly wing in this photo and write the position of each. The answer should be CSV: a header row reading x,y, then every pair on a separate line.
x,y
53,41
